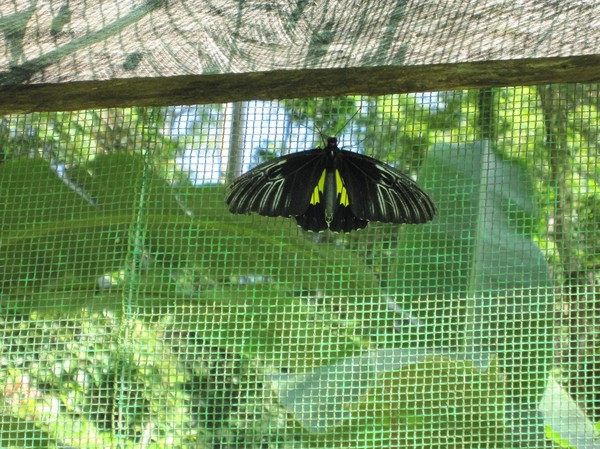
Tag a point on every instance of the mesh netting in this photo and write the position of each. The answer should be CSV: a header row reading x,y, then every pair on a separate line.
x,y
137,311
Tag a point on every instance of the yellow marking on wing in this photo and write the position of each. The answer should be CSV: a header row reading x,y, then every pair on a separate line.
x,y
319,188
341,190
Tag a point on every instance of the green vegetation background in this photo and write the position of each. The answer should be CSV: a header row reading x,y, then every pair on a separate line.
x,y
138,311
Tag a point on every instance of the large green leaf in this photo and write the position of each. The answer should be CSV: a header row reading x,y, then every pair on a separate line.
x,y
481,238
435,402
264,322
480,283
114,234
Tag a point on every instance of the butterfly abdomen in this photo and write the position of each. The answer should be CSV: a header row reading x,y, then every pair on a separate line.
x,y
330,195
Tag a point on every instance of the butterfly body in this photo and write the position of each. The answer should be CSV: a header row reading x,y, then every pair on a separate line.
x,y
330,188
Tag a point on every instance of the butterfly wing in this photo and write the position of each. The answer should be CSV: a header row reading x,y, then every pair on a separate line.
x,y
345,220
313,218
281,187
294,185
379,192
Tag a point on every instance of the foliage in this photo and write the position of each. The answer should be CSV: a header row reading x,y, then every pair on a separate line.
x,y
159,387
414,407
138,311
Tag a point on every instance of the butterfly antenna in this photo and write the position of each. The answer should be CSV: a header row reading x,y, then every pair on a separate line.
x,y
349,120
320,131
324,138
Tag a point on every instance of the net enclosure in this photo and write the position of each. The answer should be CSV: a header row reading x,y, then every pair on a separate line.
x,y
137,311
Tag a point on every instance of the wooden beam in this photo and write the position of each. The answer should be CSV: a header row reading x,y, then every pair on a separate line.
x,y
294,84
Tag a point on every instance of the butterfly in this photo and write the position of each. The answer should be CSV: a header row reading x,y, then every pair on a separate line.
x,y
330,188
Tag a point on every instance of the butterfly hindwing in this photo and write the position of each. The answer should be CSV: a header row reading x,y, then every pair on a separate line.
x,y
345,221
279,187
379,192
313,218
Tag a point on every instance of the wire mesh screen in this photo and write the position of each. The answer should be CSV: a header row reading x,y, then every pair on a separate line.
x,y
138,312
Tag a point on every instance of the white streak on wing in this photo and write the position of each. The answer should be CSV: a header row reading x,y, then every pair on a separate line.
x,y
269,199
381,201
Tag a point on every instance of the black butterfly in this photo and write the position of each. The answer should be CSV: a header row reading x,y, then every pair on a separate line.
x,y
330,188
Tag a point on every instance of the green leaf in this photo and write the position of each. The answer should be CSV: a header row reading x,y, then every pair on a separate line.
x,y
21,433
263,321
479,283
436,402
116,235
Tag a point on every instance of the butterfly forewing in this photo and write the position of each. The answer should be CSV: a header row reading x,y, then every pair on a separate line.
x,y
277,188
379,192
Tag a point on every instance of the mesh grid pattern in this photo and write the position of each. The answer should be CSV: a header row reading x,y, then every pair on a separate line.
x,y
138,312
